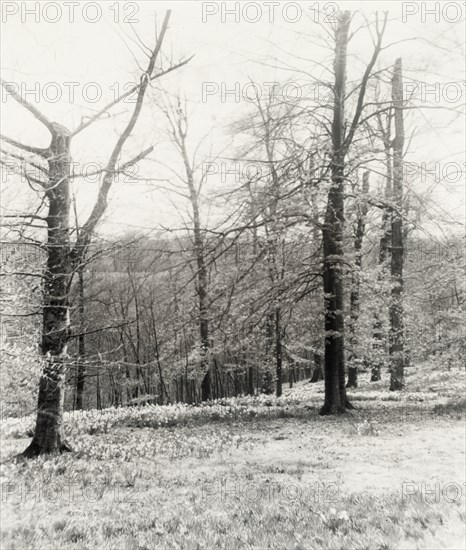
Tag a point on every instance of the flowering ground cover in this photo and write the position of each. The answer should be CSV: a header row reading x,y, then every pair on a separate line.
x,y
250,472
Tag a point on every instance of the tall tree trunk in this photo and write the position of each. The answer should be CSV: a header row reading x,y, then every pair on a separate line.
x,y
396,305
206,386
267,380
278,352
81,344
61,260
251,356
137,347
199,249
48,434
336,400
356,282
384,247
157,357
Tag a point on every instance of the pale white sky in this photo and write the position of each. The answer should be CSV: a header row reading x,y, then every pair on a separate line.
x,y
46,56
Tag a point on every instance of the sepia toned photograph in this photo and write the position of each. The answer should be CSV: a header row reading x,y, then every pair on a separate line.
x,y
232,275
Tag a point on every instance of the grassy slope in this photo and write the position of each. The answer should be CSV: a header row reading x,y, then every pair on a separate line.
x,y
279,477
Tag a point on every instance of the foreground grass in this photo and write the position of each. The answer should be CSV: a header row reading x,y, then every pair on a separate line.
x,y
390,476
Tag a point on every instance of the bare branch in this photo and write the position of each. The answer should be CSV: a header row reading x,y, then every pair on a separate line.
x,y
33,110
98,115
101,202
28,148
365,79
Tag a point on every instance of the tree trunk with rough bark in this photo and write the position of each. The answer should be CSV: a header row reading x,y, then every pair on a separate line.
x,y
81,370
332,239
396,305
278,353
201,285
317,372
48,434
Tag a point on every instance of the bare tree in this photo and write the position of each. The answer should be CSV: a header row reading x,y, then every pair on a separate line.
x,y
63,258
178,120
335,392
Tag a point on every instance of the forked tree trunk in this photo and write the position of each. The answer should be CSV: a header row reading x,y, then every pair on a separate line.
x,y
48,434
396,304
61,260
332,238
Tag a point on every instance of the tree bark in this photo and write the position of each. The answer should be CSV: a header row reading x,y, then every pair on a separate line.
x,y
278,352
332,238
267,379
201,288
396,304
206,389
317,372
157,357
81,371
48,434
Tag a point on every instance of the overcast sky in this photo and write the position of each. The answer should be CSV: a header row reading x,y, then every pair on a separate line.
x,y
70,69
